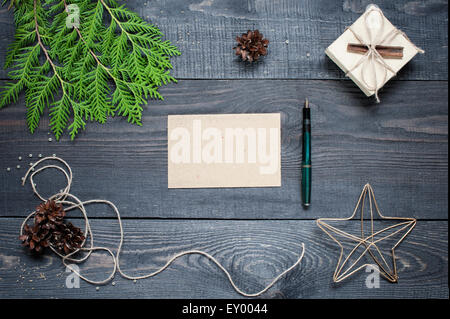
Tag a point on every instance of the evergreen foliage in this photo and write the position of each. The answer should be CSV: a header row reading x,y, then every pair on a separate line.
x,y
107,66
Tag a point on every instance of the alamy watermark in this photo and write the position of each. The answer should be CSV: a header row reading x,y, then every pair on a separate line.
x,y
72,280
226,146
373,279
73,17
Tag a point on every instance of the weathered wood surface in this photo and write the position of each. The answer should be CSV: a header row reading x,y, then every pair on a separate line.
x,y
399,146
205,32
253,251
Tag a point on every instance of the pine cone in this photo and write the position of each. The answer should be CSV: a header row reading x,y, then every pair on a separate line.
x,y
49,228
36,237
251,45
67,238
49,213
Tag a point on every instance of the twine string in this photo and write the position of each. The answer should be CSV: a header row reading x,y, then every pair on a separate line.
x,y
64,197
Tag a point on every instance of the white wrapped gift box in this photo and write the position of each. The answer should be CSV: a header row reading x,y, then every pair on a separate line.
x,y
371,71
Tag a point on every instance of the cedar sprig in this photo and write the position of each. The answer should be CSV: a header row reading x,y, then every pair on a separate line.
x,y
90,73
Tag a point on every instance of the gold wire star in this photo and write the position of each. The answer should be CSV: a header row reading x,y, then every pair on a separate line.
x,y
406,224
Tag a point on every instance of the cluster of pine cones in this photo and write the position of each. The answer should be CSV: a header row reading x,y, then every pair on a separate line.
x,y
251,45
50,229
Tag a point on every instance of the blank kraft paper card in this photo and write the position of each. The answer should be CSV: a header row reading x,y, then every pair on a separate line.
x,y
227,150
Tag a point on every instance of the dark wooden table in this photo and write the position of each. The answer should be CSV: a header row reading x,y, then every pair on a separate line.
x,y
400,146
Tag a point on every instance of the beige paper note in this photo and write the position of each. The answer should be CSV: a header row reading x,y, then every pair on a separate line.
x,y
227,150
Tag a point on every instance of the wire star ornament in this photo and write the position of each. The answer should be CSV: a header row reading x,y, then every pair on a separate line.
x,y
370,242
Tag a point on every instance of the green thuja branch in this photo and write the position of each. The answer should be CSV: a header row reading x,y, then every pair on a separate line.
x,y
107,65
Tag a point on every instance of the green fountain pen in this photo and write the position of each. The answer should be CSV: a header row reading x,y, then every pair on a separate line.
x,y
306,155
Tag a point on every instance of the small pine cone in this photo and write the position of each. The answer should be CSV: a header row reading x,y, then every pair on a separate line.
x,y
35,238
49,213
251,45
67,238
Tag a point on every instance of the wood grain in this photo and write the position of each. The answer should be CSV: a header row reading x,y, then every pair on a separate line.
x,y
399,146
205,32
253,251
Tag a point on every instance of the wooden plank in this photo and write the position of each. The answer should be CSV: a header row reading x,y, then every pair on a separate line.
x,y
205,32
400,146
253,251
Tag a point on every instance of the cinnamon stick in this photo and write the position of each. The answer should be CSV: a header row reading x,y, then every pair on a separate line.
x,y
387,52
